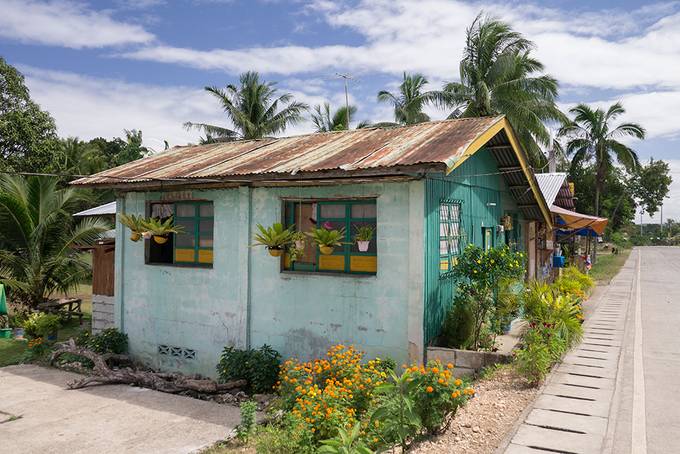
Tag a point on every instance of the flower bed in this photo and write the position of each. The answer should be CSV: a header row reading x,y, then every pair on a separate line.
x,y
344,402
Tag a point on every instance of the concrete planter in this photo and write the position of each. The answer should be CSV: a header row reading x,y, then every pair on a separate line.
x,y
466,362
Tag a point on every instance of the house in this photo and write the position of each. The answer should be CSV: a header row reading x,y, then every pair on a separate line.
x,y
103,271
569,225
428,189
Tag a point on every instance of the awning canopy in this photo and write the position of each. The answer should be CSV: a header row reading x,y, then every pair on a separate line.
x,y
577,223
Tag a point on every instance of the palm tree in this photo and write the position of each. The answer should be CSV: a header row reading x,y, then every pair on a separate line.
x,y
76,157
254,108
410,100
38,238
325,122
592,136
498,75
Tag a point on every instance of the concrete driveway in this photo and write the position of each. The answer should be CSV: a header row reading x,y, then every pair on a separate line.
x,y
37,415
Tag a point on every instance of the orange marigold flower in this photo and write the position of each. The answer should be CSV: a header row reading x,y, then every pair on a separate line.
x,y
449,366
435,370
429,389
458,382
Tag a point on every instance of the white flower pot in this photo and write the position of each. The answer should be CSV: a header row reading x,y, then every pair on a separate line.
x,y
363,245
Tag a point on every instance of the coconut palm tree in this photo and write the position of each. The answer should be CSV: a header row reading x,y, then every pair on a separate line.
x,y
38,238
592,136
411,99
255,109
498,75
325,122
76,157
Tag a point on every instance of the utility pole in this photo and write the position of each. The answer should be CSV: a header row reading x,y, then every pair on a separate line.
x,y
346,77
661,219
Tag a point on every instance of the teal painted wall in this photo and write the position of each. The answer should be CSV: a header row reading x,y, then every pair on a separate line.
x,y
297,314
194,308
471,184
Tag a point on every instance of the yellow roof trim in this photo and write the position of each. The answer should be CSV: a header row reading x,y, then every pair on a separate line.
x,y
479,142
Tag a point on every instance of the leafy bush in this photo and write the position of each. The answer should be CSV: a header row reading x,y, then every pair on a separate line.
x,y
248,422
585,282
459,322
259,367
346,442
41,324
420,399
554,325
109,340
534,360
481,273
285,438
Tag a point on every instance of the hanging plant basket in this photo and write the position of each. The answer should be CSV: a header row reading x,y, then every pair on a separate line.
x,y
326,250
135,236
160,239
363,245
275,252
299,244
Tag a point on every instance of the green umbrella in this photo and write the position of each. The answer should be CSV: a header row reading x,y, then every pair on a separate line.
x,y
3,301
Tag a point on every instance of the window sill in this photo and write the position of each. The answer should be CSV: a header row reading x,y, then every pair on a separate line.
x,y
183,265
290,273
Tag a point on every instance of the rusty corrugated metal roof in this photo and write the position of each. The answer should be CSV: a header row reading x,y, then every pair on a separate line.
x,y
437,142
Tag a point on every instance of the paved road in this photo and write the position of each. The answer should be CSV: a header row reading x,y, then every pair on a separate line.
x,y
619,390
38,415
646,409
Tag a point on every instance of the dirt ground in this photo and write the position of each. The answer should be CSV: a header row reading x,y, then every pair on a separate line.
x,y
481,425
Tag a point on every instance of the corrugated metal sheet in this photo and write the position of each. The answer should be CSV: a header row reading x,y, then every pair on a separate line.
x,y
550,185
439,142
101,210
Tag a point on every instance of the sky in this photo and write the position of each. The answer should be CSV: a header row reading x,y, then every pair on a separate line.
x,y
100,67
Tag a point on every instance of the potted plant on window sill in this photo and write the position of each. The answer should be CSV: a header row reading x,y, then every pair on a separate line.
x,y
134,223
161,230
274,238
326,239
363,237
299,239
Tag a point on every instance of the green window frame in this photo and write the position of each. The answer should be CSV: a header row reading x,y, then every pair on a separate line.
x,y
353,261
450,233
194,246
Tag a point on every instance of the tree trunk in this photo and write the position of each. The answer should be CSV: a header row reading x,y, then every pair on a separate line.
x,y
165,382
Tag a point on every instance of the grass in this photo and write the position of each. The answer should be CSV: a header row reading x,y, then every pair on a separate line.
x,y
608,265
12,351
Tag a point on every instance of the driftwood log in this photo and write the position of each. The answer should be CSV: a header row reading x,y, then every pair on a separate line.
x,y
172,383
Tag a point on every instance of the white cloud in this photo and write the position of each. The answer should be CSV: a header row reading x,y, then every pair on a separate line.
x,y
88,107
65,23
580,49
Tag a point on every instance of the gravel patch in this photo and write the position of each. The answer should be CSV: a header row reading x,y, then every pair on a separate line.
x,y
482,424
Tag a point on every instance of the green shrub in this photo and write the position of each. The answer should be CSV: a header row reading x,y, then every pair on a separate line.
x,y
585,282
109,340
247,426
41,324
459,323
482,273
284,438
346,442
421,399
534,359
259,367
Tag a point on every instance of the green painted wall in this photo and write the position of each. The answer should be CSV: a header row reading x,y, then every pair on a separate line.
x,y
471,184
297,314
